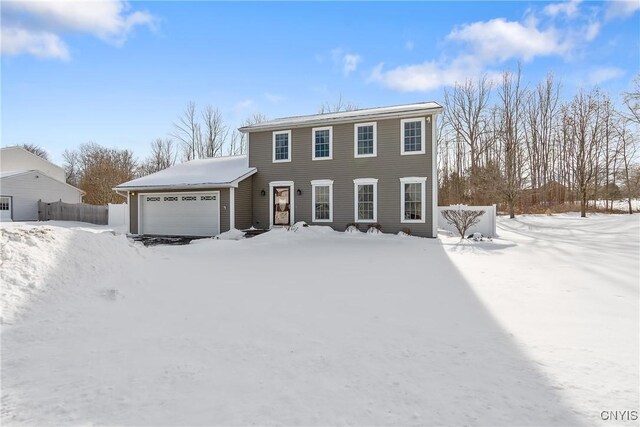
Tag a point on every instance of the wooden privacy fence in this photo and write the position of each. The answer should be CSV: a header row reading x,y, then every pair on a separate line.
x,y
60,211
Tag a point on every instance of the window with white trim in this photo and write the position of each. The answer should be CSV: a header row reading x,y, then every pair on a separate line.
x,y
412,199
412,136
4,203
365,199
282,146
322,143
365,139
322,200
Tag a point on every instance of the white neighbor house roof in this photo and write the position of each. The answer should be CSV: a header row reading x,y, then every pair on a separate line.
x,y
395,111
11,174
202,173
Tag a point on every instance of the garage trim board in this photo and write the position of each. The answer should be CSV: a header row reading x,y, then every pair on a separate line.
x,y
180,213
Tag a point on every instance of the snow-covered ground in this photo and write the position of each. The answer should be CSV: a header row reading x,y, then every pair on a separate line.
x,y
538,327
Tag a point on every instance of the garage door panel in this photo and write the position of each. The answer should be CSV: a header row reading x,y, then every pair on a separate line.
x,y
184,214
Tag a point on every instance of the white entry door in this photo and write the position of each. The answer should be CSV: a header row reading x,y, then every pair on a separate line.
x,y
180,214
5,208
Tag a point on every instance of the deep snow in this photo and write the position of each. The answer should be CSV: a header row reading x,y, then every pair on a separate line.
x,y
537,327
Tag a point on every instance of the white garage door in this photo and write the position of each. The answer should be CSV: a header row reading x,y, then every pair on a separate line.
x,y
180,214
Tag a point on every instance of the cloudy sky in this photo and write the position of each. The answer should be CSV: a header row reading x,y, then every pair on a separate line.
x,y
119,73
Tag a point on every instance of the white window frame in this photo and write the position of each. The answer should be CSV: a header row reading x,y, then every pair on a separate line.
x,y
273,150
422,136
292,205
355,140
313,143
321,183
365,181
413,180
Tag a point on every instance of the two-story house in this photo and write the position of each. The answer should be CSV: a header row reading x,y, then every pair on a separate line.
x,y
370,166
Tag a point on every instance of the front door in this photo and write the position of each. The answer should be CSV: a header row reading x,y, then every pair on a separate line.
x,y
281,208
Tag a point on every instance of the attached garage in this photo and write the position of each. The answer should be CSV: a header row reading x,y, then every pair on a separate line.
x,y
197,198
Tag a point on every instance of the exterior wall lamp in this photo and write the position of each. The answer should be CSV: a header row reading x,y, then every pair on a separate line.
x,y
299,192
263,193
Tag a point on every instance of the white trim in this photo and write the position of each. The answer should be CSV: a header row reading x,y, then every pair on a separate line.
x,y
217,192
434,176
292,205
128,222
273,150
355,140
321,183
232,208
422,136
313,143
365,181
422,180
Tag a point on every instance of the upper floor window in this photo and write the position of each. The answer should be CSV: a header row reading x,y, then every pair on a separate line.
x,y
322,143
412,136
282,146
365,139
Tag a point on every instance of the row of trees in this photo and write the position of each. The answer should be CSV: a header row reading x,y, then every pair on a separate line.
x,y
527,148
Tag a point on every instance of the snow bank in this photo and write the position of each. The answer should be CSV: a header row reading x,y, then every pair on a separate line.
x,y
233,234
37,259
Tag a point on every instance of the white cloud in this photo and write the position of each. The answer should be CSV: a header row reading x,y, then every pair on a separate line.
x,y
568,8
592,30
43,22
601,75
347,61
243,105
40,44
621,8
499,39
351,62
409,45
274,98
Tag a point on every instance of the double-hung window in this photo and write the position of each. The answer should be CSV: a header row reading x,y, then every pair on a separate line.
x,y
365,139
412,140
365,199
412,199
282,146
322,199
322,143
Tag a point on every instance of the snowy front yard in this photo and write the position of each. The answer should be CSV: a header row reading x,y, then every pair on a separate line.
x,y
539,327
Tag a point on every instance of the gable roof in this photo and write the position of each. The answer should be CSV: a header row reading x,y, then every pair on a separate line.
x,y
14,158
394,111
11,174
212,172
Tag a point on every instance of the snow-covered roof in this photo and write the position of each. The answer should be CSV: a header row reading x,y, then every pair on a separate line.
x,y
6,174
346,116
216,171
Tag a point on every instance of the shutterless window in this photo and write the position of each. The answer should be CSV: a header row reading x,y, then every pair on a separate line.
x,y
365,202
365,140
281,146
412,136
4,203
322,143
322,203
413,201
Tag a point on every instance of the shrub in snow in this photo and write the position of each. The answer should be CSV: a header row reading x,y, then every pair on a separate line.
x,y
298,225
461,219
374,229
233,234
352,227
403,234
406,231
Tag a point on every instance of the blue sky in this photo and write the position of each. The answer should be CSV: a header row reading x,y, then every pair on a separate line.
x,y
120,73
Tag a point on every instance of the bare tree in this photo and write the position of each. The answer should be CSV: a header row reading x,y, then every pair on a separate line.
x,y
214,133
35,149
627,149
338,106
238,141
189,132
462,219
163,155
631,100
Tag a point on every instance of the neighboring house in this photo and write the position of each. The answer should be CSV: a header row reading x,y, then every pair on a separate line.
x,y
26,178
371,166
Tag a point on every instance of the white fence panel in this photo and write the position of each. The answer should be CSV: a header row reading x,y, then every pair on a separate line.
x,y
486,226
118,215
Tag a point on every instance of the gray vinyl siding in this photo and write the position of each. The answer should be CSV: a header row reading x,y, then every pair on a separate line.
x,y
224,206
243,203
26,189
388,167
